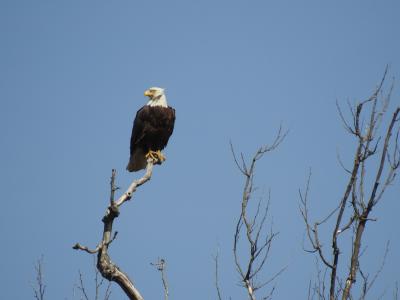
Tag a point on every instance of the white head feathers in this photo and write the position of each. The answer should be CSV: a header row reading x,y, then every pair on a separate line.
x,y
157,97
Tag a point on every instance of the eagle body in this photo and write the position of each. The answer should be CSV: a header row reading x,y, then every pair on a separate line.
x,y
152,128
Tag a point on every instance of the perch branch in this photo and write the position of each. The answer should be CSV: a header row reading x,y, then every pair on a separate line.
x,y
107,268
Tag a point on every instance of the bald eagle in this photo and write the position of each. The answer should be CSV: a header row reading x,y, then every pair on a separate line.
x,y
152,128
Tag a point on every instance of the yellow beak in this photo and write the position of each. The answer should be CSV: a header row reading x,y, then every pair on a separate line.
x,y
148,93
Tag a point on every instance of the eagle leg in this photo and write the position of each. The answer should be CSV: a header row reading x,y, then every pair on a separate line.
x,y
152,154
157,156
161,156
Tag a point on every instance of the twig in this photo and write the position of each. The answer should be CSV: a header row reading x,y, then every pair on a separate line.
x,y
368,285
216,257
312,231
161,266
40,290
81,286
98,283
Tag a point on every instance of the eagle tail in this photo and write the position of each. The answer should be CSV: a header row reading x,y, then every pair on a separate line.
x,y
137,161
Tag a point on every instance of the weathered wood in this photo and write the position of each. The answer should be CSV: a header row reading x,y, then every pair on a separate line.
x,y
106,267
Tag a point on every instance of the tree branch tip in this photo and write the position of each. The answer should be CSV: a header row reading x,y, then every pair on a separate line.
x,y
78,246
114,237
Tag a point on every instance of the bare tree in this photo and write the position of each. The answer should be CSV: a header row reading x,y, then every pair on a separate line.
x,y
39,288
258,239
107,268
377,149
362,193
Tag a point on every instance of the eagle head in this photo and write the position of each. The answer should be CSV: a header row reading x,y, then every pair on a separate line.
x,y
156,97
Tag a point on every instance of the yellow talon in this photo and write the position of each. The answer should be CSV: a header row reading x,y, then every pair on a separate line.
x,y
151,154
161,156
156,156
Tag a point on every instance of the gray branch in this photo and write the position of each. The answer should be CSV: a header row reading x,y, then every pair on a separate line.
x,y
106,267
252,226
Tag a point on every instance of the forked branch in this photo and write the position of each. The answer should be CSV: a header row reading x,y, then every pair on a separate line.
x,y
355,202
252,226
107,268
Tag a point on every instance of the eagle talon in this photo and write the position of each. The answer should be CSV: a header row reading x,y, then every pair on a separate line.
x,y
161,156
151,154
156,156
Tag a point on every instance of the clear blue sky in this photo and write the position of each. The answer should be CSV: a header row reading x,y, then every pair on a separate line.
x,y
72,75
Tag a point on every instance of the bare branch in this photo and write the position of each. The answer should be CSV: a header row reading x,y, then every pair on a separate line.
x,y
98,283
346,125
373,200
113,188
368,285
259,286
78,246
107,268
347,226
81,286
280,136
107,293
341,163
369,112
312,232
253,226
161,266
40,288
135,184
241,169
216,258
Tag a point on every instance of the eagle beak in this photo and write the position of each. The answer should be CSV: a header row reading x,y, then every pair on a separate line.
x,y
148,93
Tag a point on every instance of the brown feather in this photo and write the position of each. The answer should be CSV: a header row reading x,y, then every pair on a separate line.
x,y
152,128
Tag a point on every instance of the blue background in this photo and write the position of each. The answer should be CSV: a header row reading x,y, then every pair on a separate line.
x,y
72,77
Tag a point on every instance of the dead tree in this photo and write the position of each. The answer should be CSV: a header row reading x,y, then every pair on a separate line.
x,y
258,240
376,150
39,288
106,267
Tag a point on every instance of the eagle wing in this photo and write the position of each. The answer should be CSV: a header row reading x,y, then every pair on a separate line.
x,y
138,129
170,122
